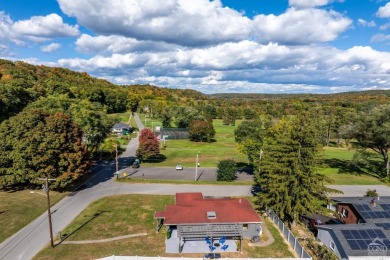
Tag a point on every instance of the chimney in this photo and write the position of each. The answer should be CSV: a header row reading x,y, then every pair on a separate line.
x,y
239,201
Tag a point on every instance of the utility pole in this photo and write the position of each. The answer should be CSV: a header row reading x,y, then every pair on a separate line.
x,y
46,190
116,158
196,166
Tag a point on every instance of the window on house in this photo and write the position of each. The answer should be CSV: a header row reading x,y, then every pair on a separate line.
x,y
332,246
344,212
245,226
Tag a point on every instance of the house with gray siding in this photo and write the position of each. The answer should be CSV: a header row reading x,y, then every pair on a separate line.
x,y
366,234
202,224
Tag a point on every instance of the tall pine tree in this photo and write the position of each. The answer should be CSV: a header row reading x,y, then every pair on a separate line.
x,y
288,177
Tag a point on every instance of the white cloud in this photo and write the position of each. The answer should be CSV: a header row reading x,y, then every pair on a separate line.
x,y
308,3
384,26
365,23
37,29
119,44
51,47
380,37
243,65
384,11
42,28
300,26
184,22
5,27
199,23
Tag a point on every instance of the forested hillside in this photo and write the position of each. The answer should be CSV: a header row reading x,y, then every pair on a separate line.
x,y
54,119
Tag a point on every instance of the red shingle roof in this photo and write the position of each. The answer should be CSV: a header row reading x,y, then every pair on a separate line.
x,y
192,208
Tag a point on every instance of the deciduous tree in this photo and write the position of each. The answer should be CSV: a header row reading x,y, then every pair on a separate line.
x,y
148,144
249,136
36,144
201,131
372,131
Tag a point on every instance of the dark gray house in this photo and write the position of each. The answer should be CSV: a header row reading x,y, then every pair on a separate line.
x,y
198,224
367,235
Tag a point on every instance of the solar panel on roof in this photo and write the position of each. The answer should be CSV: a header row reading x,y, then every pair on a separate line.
x,y
383,225
379,233
363,233
386,214
355,234
366,207
385,206
347,234
361,239
371,233
353,244
359,207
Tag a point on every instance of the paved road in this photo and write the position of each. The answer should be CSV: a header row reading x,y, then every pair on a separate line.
x,y
35,236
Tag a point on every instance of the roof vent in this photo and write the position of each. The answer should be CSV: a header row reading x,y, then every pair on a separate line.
x,y
211,215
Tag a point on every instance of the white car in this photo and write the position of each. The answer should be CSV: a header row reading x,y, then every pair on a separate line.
x,y
179,167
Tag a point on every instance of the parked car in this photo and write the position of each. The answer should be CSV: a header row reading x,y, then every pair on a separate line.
x,y
135,165
179,167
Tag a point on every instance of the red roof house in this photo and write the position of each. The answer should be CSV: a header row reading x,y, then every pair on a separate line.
x,y
196,218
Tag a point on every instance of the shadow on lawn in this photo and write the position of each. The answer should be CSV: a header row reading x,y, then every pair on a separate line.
x,y
66,236
349,167
156,159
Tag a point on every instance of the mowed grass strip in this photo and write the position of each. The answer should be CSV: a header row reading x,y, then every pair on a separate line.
x,y
129,214
19,208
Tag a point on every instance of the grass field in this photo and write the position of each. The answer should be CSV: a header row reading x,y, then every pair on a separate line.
x,y
338,166
130,214
19,208
337,161
184,151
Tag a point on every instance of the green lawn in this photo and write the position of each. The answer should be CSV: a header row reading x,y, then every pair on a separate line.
x,y
131,214
338,166
19,208
337,161
184,151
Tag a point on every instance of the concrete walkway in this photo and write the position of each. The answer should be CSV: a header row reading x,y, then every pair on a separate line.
x,y
101,240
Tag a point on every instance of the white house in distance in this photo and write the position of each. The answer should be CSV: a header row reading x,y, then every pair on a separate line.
x,y
120,127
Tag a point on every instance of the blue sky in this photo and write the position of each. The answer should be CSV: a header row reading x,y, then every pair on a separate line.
x,y
247,46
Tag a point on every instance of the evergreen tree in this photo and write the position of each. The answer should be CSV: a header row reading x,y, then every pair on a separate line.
x,y
226,170
289,179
